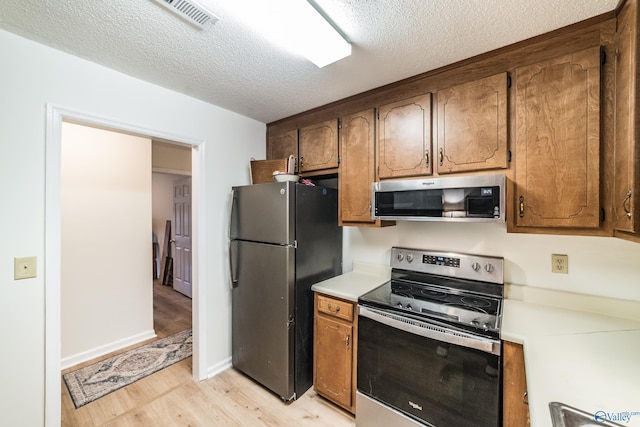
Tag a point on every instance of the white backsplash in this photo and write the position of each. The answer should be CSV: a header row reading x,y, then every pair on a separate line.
x,y
602,266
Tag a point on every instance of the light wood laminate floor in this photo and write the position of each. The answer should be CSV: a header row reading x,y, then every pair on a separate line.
x,y
172,397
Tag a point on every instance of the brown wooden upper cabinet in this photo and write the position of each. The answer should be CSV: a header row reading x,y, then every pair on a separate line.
x,y
318,147
404,138
557,132
472,126
626,185
282,145
357,173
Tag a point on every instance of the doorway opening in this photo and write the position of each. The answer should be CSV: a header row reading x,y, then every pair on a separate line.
x,y
171,217
56,115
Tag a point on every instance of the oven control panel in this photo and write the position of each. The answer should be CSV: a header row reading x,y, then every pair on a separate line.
x,y
460,265
441,260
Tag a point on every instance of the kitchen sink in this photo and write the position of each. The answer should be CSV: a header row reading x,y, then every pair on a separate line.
x,y
566,416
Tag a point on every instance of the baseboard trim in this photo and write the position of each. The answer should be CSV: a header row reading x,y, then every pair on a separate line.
x,y
75,359
219,367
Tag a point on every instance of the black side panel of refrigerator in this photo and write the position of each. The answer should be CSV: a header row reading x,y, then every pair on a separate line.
x,y
318,257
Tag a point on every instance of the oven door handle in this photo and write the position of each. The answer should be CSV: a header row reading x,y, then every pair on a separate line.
x,y
429,330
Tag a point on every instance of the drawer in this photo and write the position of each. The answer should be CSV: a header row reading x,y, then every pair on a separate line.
x,y
335,307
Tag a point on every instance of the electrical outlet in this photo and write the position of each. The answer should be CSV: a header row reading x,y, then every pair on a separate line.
x,y
24,268
559,263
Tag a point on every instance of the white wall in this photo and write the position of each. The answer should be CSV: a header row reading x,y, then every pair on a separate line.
x,y
106,279
33,75
597,265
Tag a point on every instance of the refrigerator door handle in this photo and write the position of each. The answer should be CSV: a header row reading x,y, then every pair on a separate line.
x,y
233,273
233,276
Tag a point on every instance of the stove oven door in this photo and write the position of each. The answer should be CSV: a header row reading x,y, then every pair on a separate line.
x,y
415,373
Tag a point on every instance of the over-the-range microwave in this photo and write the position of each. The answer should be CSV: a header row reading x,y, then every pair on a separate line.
x,y
476,198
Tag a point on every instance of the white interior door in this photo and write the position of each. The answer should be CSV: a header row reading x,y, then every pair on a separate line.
x,y
182,236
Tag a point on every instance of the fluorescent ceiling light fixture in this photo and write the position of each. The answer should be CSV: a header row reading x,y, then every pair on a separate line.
x,y
297,26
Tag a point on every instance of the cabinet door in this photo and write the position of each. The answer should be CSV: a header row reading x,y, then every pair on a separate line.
x,y
627,150
357,171
515,411
283,145
557,132
318,147
404,138
472,125
334,360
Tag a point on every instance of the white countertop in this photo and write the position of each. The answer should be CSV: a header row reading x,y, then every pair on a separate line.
x,y
351,285
584,360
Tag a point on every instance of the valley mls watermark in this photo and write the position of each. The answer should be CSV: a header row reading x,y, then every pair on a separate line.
x,y
602,416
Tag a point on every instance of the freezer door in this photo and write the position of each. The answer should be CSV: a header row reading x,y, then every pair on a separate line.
x,y
262,314
264,213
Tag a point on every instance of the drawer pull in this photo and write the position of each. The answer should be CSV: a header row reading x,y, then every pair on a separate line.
x,y
335,308
525,398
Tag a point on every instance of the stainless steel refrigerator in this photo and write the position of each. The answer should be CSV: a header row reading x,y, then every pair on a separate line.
x,y
284,237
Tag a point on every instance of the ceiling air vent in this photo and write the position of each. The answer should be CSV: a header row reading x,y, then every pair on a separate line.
x,y
190,11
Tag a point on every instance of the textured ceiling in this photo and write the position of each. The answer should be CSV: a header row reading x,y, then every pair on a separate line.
x,y
229,65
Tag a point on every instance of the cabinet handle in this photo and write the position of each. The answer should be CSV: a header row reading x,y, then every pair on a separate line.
x,y
626,204
347,339
336,310
301,162
521,207
426,157
525,398
441,156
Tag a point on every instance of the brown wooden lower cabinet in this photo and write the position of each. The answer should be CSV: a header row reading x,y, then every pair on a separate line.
x,y
334,351
515,410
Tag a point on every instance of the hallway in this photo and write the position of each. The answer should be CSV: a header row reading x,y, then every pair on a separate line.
x,y
171,314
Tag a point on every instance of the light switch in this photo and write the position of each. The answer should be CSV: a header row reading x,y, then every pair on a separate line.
x,y
24,268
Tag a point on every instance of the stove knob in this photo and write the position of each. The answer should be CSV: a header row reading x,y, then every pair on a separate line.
x,y
400,257
488,268
475,266
399,305
409,257
486,326
409,307
475,323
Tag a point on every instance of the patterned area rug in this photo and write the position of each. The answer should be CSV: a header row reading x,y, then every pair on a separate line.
x,y
92,382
